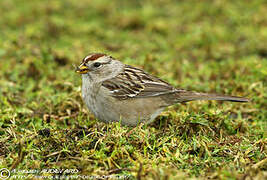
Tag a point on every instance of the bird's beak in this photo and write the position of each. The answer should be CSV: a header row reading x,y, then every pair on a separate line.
x,y
82,69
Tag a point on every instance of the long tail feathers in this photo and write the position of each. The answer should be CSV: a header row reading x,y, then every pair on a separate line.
x,y
191,96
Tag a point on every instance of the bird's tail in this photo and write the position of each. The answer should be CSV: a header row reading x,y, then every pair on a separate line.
x,y
184,96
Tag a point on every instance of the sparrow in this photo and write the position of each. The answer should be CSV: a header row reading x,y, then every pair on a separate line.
x,y
116,92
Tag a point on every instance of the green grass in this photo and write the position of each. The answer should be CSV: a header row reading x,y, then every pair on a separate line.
x,y
209,46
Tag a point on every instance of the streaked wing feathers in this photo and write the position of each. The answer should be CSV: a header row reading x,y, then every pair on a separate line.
x,y
134,82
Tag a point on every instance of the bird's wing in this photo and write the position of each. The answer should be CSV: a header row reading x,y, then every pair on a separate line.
x,y
135,83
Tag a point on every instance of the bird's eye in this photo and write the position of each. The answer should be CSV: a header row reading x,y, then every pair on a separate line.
x,y
97,64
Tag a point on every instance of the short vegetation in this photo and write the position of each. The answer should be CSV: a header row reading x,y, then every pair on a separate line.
x,y
207,46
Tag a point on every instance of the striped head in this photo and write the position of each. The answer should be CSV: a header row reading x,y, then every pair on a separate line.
x,y
99,66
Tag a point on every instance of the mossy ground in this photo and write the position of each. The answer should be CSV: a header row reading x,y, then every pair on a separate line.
x,y
209,46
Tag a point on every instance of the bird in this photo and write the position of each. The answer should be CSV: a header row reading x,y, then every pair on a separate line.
x,y
117,92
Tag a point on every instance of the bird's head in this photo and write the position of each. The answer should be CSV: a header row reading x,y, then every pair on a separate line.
x,y
99,67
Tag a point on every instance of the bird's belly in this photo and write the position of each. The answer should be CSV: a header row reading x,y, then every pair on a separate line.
x,y
129,112
101,109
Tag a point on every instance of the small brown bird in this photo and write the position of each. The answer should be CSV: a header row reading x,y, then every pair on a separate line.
x,y
114,91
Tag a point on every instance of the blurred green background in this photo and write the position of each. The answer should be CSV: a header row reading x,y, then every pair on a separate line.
x,y
211,46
